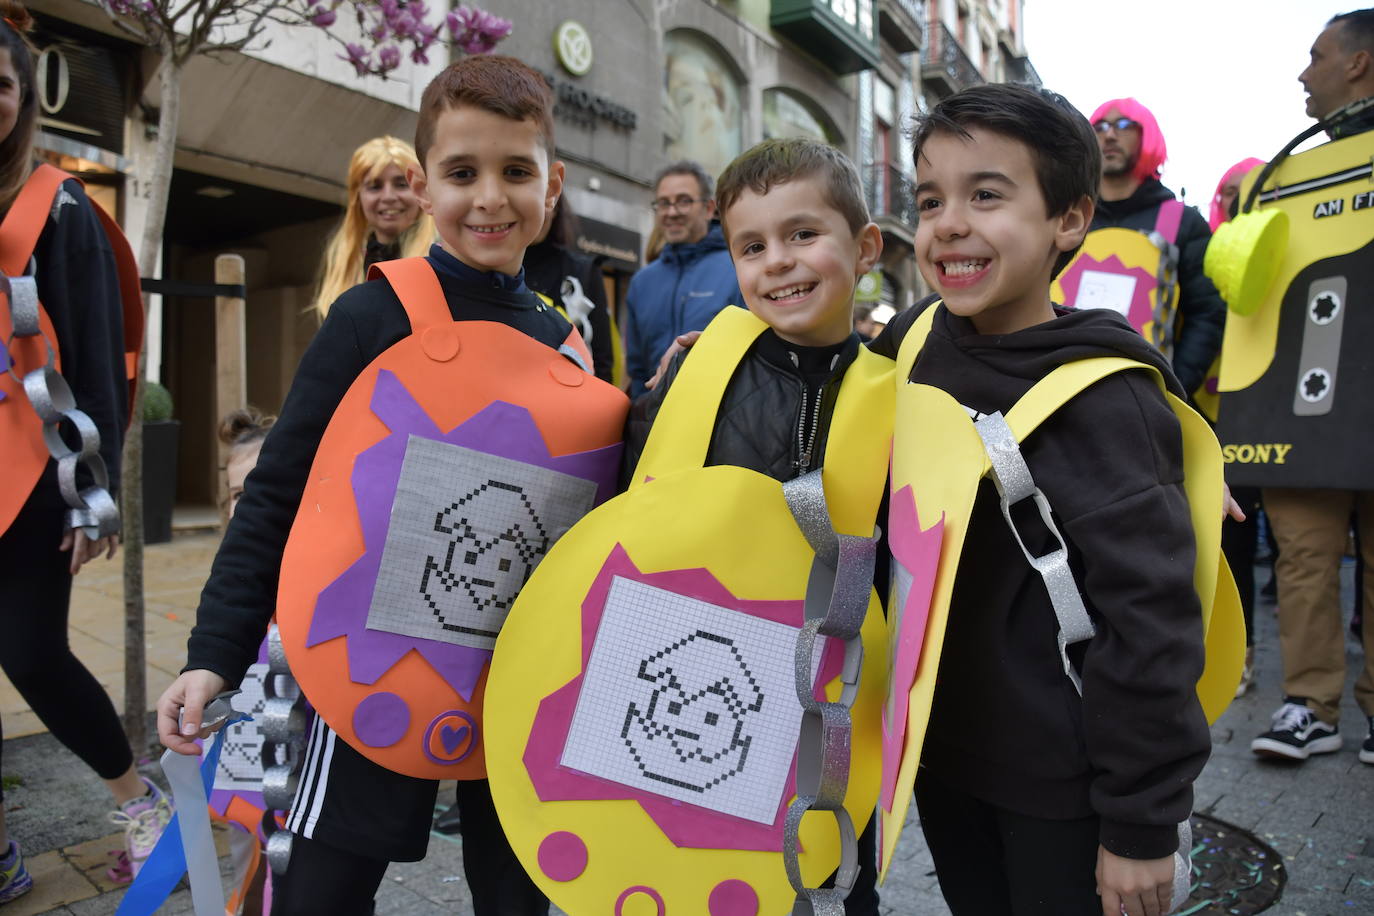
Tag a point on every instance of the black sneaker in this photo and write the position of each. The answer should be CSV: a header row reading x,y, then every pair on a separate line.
x,y
1367,749
1296,734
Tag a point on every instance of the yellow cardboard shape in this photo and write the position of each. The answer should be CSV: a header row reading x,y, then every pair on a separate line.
x,y
598,846
939,455
1133,261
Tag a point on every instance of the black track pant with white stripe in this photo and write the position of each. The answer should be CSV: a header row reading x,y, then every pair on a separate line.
x,y
356,816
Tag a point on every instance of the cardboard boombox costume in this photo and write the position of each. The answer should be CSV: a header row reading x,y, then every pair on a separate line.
x,y
650,686
34,398
938,459
452,464
1296,269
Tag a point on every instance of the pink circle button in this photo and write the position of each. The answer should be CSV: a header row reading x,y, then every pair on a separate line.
x,y
733,898
563,856
632,894
441,342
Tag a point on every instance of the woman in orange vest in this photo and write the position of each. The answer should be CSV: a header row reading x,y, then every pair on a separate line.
x,y
79,289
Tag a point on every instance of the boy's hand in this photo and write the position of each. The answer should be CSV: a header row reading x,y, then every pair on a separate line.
x,y
680,343
188,696
1134,887
83,549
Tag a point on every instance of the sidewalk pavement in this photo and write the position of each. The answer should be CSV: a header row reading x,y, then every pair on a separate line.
x,y
1319,815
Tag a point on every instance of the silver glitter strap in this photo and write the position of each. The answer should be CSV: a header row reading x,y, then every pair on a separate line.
x,y
837,594
91,509
1012,478
1166,279
571,353
285,723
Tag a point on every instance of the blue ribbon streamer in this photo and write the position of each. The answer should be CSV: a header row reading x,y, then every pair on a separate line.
x,y
162,871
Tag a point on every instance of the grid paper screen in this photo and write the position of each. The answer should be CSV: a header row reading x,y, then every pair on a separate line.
x,y
240,760
689,700
467,529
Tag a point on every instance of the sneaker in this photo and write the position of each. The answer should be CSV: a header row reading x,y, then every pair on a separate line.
x,y
14,877
143,820
1367,749
1296,734
1247,673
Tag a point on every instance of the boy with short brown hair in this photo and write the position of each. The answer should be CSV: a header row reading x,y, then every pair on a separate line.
x,y
488,177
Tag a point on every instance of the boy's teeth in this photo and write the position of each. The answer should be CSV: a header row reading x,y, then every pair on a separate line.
x,y
962,268
789,292
491,228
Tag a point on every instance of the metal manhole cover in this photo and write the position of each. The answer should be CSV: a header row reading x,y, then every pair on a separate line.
x,y
1234,872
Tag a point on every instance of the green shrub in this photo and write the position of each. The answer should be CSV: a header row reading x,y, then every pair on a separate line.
x,y
157,403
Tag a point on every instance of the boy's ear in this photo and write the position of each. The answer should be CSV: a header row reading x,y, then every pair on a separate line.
x,y
1073,224
870,241
555,188
419,185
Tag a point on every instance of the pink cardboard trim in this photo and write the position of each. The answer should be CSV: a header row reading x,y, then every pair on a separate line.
x,y
685,825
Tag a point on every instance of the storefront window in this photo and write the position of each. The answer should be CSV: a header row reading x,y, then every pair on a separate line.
x,y
785,115
703,117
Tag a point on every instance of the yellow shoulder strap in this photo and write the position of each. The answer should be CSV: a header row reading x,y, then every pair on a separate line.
x,y
913,341
859,444
681,433
1060,386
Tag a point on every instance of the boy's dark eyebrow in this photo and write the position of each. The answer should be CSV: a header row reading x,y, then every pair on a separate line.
x,y
456,158
990,175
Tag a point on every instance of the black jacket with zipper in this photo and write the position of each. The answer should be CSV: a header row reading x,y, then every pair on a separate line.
x,y
775,413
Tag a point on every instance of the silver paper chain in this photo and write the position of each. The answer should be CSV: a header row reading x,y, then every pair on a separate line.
x,y
837,594
285,722
92,509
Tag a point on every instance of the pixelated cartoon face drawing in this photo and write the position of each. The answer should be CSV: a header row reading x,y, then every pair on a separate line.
x,y
496,540
240,760
693,730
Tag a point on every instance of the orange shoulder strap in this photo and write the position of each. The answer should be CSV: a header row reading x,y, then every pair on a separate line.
x,y
28,215
130,292
417,286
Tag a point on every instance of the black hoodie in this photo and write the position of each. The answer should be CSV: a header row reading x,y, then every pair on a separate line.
x,y
1007,725
1202,311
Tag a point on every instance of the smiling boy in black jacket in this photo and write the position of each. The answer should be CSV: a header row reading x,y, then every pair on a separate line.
x,y
798,230
1034,800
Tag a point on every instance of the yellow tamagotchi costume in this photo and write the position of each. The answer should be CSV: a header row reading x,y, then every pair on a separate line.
x,y
1296,269
938,460
651,683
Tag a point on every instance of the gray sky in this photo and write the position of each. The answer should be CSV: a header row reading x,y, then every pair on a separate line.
x,y
1219,75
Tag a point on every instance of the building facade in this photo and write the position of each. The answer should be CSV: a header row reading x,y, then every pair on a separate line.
x,y
266,134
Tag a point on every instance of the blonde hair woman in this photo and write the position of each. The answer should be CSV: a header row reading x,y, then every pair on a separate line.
x,y
383,220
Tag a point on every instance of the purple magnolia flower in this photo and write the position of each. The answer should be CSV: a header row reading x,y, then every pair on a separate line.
x,y
357,56
419,56
389,58
323,17
476,31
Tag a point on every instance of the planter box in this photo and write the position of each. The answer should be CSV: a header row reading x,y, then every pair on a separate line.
x,y
159,479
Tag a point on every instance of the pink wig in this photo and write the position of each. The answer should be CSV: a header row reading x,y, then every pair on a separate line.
x,y
1239,170
1153,152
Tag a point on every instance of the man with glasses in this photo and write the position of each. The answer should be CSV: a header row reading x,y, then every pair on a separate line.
x,y
690,281
1144,254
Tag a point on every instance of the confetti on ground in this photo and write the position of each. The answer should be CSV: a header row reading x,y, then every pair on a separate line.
x,y
1234,872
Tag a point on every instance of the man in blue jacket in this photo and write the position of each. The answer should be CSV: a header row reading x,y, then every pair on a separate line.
x,y
692,279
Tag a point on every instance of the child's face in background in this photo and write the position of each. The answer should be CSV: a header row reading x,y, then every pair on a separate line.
x,y
984,241
797,261
489,185
388,204
242,459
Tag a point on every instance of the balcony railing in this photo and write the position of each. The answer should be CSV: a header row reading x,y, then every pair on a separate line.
x,y
900,22
1020,70
891,194
943,60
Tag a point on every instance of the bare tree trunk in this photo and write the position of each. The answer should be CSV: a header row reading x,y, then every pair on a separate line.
x,y
135,654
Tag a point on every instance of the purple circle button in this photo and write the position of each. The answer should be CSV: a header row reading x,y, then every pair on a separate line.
x,y
381,720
